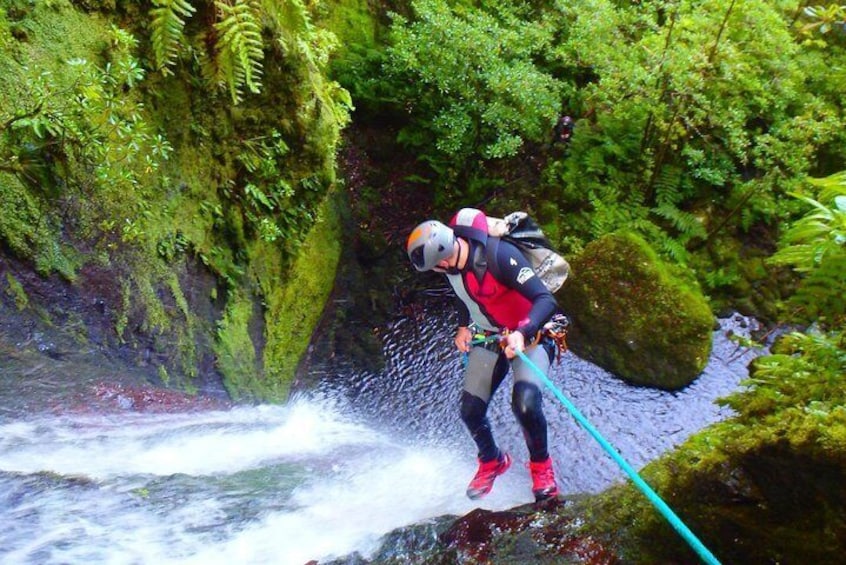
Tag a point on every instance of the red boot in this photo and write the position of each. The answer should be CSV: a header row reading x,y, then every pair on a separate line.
x,y
485,476
543,480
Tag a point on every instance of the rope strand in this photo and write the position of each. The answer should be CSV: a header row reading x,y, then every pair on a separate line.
x,y
653,497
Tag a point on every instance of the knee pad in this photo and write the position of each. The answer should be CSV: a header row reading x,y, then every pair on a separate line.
x,y
473,410
526,401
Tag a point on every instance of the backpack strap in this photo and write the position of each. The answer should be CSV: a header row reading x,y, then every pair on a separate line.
x,y
490,255
470,232
490,245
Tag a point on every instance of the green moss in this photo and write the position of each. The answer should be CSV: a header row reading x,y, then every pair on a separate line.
x,y
762,487
17,292
294,308
47,37
633,317
139,232
351,21
235,350
31,231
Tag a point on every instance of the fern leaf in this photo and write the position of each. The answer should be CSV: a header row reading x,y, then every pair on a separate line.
x,y
686,223
675,250
168,25
667,185
240,48
288,20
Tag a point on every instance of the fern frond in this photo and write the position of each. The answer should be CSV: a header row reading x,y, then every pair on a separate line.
x,y
667,185
240,48
832,186
686,223
815,246
675,250
288,19
167,30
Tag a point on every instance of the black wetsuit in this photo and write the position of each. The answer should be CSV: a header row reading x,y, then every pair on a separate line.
x,y
515,300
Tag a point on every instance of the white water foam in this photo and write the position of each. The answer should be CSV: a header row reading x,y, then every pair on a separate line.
x,y
145,488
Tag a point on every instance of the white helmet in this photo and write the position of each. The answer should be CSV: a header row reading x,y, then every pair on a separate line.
x,y
430,243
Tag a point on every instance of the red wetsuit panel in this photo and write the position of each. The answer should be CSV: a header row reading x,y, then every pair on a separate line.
x,y
502,305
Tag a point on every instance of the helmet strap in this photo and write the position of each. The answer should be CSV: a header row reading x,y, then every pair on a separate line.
x,y
455,270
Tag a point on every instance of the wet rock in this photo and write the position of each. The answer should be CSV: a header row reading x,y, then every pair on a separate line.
x,y
543,533
634,317
112,396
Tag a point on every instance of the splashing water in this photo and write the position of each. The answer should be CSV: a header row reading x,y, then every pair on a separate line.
x,y
281,484
323,476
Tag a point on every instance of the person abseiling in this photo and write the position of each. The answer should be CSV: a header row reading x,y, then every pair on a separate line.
x,y
563,130
515,304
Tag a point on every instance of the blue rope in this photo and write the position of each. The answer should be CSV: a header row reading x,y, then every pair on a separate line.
x,y
653,497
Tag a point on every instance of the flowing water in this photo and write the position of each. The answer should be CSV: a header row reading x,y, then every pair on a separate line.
x,y
327,474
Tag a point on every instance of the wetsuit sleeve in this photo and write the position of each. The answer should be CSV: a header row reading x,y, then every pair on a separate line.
x,y
516,272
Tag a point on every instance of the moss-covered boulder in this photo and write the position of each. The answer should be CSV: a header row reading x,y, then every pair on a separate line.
x,y
635,318
751,494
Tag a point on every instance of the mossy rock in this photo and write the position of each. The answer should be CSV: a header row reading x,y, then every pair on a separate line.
x,y
633,317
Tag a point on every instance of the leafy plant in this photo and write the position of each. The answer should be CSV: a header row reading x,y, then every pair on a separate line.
x,y
473,82
706,115
168,25
825,19
238,49
802,382
240,46
91,130
815,246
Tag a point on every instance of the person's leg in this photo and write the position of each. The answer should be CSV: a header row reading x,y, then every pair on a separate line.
x,y
527,405
527,400
485,372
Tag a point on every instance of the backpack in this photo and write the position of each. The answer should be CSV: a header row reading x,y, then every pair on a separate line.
x,y
521,231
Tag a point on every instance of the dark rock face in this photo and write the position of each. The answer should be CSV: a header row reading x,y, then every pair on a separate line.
x,y
544,533
77,323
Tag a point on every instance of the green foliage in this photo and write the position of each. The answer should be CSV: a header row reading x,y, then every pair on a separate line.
x,y
720,277
167,25
796,394
232,52
137,177
239,47
824,19
470,76
806,369
815,246
80,123
688,102
267,191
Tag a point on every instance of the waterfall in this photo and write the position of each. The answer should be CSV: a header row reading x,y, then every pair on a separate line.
x,y
327,474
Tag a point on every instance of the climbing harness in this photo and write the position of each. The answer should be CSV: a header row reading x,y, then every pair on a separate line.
x,y
653,497
556,329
